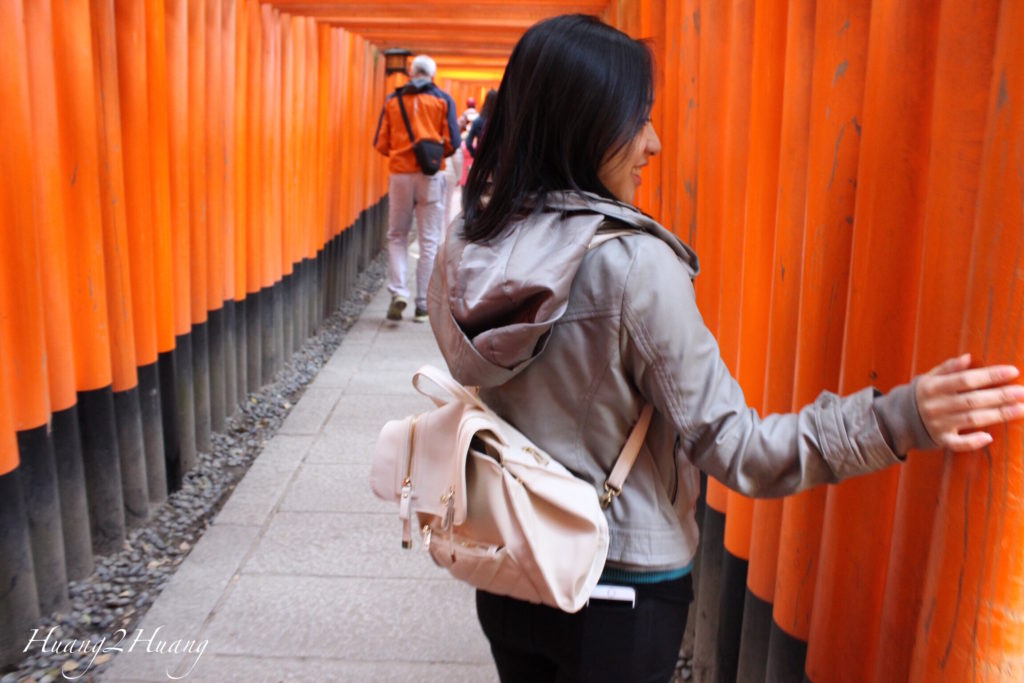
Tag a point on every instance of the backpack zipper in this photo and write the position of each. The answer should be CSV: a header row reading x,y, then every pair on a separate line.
x,y
405,503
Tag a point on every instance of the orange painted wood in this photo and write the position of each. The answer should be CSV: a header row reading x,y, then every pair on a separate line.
x,y
878,343
198,200
130,19
971,627
321,82
112,198
241,153
50,191
837,88
159,147
736,152
216,92
76,101
758,235
177,53
786,274
711,113
9,459
289,133
255,193
706,239
21,315
269,249
963,76
275,226
313,180
233,79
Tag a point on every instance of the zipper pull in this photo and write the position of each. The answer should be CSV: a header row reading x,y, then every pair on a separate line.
x,y
404,510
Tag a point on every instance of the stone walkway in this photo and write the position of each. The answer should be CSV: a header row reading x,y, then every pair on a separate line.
x,y
301,577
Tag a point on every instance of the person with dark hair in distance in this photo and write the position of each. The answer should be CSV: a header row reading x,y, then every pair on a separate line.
x,y
569,344
476,129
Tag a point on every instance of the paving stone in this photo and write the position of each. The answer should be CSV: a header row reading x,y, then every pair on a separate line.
x,y
353,619
340,368
364,331
343,545
311,412
333,488
285,450
380,382
257,494
351,432
336,447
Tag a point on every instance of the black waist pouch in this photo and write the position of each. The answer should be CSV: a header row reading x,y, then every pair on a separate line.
x,y
429,155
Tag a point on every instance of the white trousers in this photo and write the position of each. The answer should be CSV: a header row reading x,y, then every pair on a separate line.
x,y
408,192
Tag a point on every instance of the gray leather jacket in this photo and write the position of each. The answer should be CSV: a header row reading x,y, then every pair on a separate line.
x,y
569,343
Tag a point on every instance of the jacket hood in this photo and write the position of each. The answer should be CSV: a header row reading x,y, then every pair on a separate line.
x,y
493,304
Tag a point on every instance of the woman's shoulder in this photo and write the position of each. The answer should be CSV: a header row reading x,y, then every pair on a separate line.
x,y
648,247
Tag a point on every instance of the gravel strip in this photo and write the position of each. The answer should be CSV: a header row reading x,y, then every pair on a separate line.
x,y
124,586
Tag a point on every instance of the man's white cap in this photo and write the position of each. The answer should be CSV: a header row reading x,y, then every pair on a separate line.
x,y
423,65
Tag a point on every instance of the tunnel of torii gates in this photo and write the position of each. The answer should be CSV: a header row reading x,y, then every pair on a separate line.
x,y
188,189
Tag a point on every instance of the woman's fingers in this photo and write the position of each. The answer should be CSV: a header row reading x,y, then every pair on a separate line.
x,y
979,418
952,399
949,365
967,380
973,400
966,442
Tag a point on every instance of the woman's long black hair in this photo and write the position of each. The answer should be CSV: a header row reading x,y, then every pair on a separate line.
x,y
574,93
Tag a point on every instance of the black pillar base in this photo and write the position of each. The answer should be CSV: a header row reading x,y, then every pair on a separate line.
x,y
184,393
757,627
173,467
74,507
712,549
787,657
201,385
153,433
38,473
241,354
102,470
231,356
19,604
217,368
131,451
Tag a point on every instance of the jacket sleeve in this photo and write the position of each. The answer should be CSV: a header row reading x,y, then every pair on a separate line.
x,y
382,138
676,363
454,139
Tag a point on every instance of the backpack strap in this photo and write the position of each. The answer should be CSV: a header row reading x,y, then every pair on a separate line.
x,y
613,485
405,117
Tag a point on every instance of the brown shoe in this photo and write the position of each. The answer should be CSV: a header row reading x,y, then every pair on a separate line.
x,y
398,304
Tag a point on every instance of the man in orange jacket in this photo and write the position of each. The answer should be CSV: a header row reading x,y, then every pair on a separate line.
x,y
431,116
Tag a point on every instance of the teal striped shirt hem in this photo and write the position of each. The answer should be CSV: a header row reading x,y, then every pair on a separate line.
x,y
632,578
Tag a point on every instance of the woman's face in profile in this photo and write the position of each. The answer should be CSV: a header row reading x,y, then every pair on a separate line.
x,y
620,173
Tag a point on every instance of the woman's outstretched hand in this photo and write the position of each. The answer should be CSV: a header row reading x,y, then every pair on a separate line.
x,y
952,399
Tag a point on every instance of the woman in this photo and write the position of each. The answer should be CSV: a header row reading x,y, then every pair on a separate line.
x,y
569,343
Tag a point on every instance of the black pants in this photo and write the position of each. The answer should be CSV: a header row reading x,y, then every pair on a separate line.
x,y
605,641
